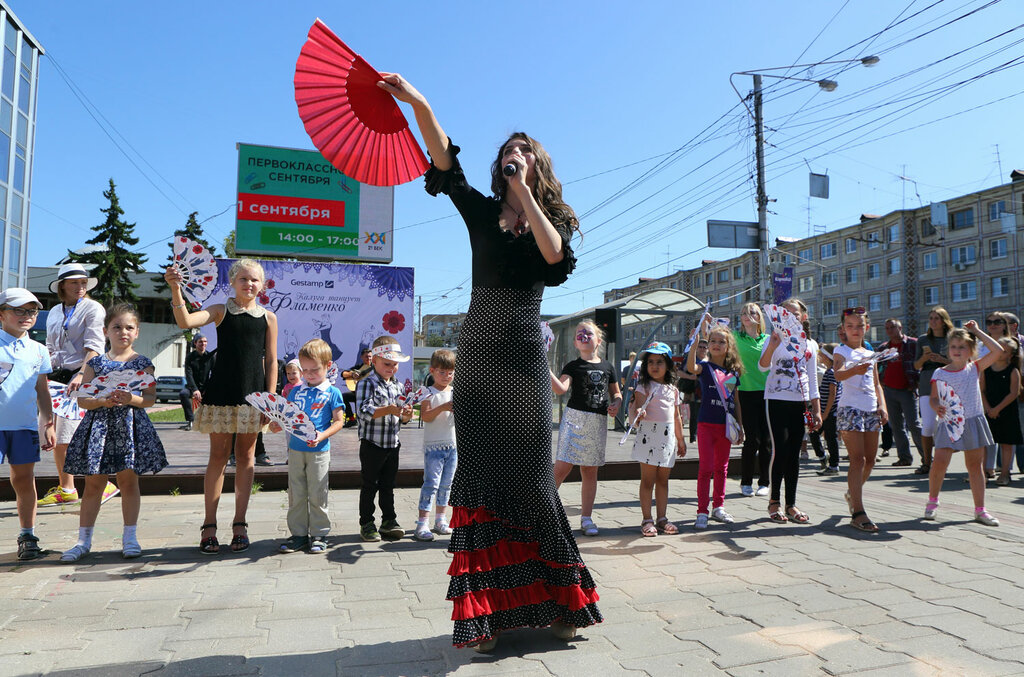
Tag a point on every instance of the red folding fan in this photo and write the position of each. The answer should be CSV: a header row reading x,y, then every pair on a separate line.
x,y
356,125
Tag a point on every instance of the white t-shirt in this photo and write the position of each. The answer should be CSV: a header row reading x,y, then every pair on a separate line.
x,y
440,431
782,382
858,391
965,384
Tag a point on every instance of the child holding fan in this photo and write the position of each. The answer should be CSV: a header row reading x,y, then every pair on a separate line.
x,y
961,376
719,377
659,437
116,436
583,432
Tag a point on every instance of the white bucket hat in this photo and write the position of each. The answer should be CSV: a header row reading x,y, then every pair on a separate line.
x,y
390,351
73,271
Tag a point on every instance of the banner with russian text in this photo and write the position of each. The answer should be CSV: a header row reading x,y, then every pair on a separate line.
x,y
295,203
346,305
782,285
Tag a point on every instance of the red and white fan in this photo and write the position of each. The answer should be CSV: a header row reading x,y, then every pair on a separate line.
x,y
355,125
197,267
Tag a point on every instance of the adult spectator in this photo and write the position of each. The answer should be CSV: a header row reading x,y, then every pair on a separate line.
x,y
757,449
197,369
74,335
358,370
1014,326
997,325
929,356
899,387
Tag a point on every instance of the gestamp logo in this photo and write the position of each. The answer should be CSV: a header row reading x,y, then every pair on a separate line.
x,y
328,284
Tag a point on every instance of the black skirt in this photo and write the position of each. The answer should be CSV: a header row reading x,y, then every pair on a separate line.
x,y
515,559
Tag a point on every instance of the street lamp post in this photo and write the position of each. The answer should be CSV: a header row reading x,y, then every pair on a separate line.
x,y
764,276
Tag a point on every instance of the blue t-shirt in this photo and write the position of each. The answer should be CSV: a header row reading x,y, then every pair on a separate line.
x,y
711,408
21,362
319,403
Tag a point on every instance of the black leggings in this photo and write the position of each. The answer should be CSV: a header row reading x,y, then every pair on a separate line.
x,y
786,425
828,431
757,448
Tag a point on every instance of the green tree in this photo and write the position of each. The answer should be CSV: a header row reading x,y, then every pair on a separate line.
x,y
435,341
113,264
193,230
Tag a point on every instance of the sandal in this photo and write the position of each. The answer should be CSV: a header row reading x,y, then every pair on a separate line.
x,y
666,527
240,542
775,514
867,525
209,545
797,516
648,529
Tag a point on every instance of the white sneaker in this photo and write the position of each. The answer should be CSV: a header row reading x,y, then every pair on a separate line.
x,y
986,519
588,527
74,554
930,509
720,515
746,490
762,491
702,522
441,527
422,532
131,549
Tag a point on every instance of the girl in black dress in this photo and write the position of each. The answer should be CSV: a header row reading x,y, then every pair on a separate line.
x,y
1000,385
515,559
246,363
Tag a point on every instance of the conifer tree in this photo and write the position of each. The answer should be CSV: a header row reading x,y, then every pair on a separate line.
x,y
192,230
114,263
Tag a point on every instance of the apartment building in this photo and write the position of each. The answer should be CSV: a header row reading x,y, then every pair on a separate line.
x,y
896,265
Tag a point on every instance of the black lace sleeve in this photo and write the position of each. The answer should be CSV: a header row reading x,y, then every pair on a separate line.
x,y
557,273
449,182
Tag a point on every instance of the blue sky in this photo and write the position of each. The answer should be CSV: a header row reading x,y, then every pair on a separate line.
x,y
613,95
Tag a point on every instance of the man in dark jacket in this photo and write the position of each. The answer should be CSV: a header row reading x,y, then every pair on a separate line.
x,y
899,386
198,364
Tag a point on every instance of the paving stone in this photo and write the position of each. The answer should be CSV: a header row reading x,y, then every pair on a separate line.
x,y
220,623
740,644
841,650
784,667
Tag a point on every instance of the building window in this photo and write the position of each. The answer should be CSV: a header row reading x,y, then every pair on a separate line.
x,y
892,233
810,310
927,229
874,271
995,209
895,298
851,246
723,298
962,219
696,281
874,303
893,266
931,296
852,275
828,308
828,250
963,254
829,279
737,272
965,291
785,259
851,302
930,261
997,248
804,255
723,275
709,279
806,284
1000,286
873,239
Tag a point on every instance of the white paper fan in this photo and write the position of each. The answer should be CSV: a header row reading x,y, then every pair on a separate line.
x,y
954,418
197,267
64,406
130,380
286,414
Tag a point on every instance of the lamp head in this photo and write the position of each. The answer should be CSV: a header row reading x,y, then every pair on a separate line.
x,y
828,85
869,60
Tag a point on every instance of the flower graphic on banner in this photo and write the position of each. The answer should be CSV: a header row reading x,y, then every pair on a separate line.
x,y
395,282
393,322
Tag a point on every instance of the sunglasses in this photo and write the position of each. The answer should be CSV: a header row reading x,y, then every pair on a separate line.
x,y
995,321
858,310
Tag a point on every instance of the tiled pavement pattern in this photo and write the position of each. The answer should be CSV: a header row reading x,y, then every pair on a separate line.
x,y
754,598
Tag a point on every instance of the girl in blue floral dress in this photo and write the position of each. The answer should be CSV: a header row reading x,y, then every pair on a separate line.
x,y
116,436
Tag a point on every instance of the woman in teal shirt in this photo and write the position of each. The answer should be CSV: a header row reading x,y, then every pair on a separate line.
x,y
756,445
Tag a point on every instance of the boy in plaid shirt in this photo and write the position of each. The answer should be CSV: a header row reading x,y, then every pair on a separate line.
x,y
380,416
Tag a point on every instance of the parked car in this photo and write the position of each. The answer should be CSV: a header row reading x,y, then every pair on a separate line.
x,y
168,387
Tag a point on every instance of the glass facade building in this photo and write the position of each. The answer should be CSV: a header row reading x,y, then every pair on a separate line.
x,y
18,87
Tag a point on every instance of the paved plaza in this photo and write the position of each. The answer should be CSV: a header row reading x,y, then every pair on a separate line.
x,y
754,598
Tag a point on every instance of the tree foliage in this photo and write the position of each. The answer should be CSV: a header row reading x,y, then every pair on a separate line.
x,y
113,263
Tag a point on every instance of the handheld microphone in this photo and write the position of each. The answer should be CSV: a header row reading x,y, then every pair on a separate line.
x,y
510,169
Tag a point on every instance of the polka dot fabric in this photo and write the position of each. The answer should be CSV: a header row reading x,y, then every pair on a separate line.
x,y
515,561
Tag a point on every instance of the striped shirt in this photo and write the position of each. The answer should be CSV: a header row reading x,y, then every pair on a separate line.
x,y
372,392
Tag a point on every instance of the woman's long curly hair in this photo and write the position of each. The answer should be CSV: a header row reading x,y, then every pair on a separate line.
x,y
547,189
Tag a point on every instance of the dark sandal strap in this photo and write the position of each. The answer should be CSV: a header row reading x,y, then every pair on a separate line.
x,y
212,525
858,514
244,525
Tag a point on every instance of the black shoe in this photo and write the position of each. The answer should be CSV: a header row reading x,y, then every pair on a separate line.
x,y
187,426
885,452
28,547
351,423
903,463
824,462
263,460
923,470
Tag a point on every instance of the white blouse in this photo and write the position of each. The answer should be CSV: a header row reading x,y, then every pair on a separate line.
x,y
83,331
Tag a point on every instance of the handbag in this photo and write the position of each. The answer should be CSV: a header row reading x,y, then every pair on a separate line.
x,y
732,428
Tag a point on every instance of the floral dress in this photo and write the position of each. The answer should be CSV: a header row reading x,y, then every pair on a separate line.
x,y
119,438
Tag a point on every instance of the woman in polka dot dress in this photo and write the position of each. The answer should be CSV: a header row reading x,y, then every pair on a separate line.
x,y
515,562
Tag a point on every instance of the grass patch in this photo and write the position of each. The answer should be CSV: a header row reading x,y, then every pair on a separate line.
x,y
257,487
175,491
176,415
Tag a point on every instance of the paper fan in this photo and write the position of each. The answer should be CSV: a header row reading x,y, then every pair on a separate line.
x,y
789,329
333,374
64,406
197,267
412,399
355,124
874,358
5,370
953,419
130,380
286,414
549,336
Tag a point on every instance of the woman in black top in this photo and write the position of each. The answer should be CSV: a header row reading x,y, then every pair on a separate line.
x,y
515,559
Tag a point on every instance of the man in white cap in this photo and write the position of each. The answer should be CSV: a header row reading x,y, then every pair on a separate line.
x,y
74,335
24,365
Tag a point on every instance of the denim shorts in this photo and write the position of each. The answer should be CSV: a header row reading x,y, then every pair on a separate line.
x,y
851,419
19,446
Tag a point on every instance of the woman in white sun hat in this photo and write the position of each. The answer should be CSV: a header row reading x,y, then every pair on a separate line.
x,y
74,335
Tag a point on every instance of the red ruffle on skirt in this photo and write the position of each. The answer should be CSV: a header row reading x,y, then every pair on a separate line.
x,y
503,553
462,516
486,602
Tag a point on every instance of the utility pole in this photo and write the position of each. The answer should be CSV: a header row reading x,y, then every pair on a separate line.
x,y
419,313
762,196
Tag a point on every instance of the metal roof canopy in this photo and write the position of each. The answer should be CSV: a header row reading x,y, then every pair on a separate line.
x,y
655,304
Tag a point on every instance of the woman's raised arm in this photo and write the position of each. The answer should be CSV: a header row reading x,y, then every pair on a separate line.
x,y
435,138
